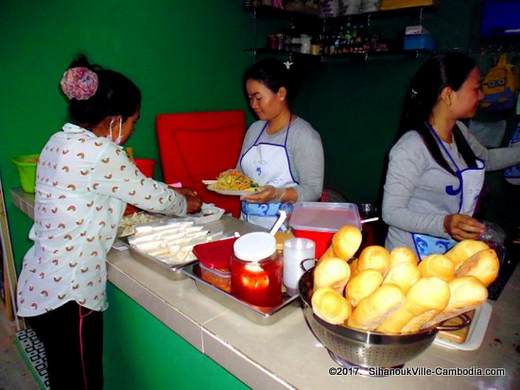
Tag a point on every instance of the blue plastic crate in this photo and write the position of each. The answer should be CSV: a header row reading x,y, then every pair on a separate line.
x,y
419,42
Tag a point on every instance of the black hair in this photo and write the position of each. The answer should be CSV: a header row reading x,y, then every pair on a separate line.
x,y
115,95
272,73
439,71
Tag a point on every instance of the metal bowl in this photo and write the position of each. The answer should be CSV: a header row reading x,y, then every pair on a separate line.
x,y
366,349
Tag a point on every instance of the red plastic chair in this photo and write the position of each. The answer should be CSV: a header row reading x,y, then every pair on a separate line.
x,y
199,145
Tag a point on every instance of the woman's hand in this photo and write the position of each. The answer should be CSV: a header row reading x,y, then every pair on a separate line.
x,y
193,202
463,227
266,194
186,191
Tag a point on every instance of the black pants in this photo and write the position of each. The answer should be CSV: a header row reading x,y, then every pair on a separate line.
x,y
73,339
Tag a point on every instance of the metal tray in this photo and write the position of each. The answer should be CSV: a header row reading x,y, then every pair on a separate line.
x,y
257,314
175,270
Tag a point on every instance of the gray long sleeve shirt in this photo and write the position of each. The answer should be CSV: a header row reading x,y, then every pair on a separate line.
x,y
305,152
415,198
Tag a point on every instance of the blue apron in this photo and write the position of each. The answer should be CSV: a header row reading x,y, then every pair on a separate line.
x,y
267,164
471,181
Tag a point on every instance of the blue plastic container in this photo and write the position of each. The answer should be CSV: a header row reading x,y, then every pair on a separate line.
x,y
419,42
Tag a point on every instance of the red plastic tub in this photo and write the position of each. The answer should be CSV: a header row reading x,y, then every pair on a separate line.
x,y
321,239
319,221
145,165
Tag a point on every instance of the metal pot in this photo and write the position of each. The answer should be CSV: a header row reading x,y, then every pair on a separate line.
x,y
348,346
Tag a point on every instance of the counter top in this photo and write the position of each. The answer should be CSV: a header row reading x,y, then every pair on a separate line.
x,y
286,354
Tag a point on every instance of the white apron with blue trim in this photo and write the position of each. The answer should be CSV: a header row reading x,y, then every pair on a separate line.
x,y
471,181
267,164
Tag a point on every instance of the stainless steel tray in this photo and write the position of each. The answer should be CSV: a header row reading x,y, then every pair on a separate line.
x,y
175,270
257,314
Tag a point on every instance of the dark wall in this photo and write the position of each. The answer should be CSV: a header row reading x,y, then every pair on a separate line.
x,y
356,105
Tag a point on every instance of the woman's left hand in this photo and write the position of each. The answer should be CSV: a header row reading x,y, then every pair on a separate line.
x,y
266,194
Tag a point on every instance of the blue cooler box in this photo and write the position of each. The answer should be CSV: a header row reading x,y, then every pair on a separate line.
x,y
419,42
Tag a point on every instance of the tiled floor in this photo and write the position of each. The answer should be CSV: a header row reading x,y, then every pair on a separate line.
x,y
14,374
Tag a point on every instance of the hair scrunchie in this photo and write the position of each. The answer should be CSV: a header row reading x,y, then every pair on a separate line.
x,y
79,83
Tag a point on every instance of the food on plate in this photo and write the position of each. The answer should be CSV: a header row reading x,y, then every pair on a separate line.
x,y
374,257
439,266
466,293
362,285
234,180
403,254
345,243
373,310
330,306
425,299
403,275
483,265
332,272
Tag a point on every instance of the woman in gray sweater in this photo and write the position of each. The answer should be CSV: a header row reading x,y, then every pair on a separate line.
x,y
281,151
436,168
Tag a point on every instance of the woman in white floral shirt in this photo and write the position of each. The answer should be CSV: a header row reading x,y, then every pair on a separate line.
x,y
84,181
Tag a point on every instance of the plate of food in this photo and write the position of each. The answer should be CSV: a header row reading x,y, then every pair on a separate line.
x,y
232,182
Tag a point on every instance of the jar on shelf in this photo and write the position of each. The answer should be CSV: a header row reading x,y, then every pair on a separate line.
x,y
256,270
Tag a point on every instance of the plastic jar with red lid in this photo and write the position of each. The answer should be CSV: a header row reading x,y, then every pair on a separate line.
x,y
256,270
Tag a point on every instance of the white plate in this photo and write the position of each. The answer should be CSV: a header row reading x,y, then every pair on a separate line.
x,y
211,187
476,333
208,213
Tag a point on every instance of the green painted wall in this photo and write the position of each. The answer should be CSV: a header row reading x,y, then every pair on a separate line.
x,y
185,56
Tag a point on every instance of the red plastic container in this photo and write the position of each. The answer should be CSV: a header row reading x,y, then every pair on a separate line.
x,y
321,239
319,221
215,254
256,270
145,165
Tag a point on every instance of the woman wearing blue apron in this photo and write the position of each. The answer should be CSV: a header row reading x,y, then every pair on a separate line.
x,y
281,151
436,169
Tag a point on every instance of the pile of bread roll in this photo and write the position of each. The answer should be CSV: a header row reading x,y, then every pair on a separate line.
x,y
391,292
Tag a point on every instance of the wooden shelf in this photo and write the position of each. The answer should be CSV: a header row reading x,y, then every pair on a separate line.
x,y
288,15
411,54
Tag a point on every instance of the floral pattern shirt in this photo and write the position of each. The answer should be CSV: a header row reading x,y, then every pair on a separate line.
x,y
82,186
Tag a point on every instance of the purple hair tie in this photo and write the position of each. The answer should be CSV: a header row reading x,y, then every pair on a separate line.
x,y
79,83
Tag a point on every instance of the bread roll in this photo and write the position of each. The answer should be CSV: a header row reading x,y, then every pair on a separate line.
x,y
425,299
464,250
332,272
466,293
403,275
437,265
483,265
346,241
362,285
353,268
328,253
330,306
374,257
403,254
374,309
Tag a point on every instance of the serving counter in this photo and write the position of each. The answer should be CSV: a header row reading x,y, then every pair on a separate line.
x,y
282,355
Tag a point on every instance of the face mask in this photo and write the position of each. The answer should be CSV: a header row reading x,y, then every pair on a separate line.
x,y
120,133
